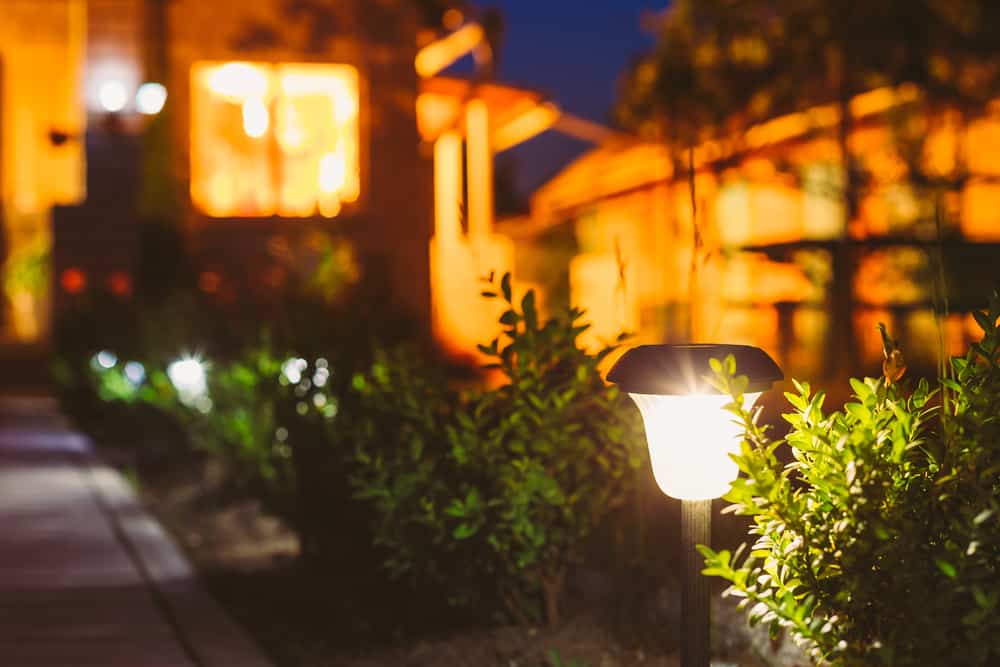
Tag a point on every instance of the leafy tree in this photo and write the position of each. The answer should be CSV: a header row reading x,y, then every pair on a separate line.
x,y
879,543
720,66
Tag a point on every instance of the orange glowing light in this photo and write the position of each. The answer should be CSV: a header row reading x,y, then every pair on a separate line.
x,y
437,55
479,159
73,281
242,111
532,122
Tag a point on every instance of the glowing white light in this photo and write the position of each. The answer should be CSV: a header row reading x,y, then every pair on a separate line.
x,y
135,372
188,376
256,118
150,98
238,81
105,359
292,369
332,173
319,400
321,375
112,96
690,439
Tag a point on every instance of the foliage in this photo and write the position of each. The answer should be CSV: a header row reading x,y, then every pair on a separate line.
x,y
28,270
879,543
233,420
508,483
555,660
239,422
720,62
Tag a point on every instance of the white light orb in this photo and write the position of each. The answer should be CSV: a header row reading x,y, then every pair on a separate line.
x,y
189,378
105,359
150,98
112,95
135,373
292,369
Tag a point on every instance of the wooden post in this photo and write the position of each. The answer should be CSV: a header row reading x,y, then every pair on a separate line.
x,y
696,528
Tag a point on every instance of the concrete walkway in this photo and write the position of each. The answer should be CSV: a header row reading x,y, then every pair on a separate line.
x,y
87,578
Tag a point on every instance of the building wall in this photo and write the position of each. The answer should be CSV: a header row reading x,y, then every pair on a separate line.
x,y
769,223
41,55
391,223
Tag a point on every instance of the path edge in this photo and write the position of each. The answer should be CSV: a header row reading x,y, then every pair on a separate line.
x,y
205,629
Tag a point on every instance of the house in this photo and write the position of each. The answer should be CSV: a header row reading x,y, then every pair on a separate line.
x,y
770,261
246,122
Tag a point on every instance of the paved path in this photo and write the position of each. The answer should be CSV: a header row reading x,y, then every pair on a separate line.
x,y
87,578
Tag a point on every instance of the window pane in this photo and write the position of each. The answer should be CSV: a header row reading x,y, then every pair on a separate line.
x,y
269,140
230,139
317,131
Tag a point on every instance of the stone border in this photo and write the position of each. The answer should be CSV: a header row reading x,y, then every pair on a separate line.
x,y
207,633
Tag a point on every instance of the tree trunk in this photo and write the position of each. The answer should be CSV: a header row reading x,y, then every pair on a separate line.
x,y
841,359
552,590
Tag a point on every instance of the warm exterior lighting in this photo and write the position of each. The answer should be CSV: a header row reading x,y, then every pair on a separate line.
x,y
532,122
274,139
437,55
150,98
479,161
448,186
699,472
238,81
112,96
690,436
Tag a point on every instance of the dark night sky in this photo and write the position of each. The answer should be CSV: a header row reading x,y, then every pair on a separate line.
x,y
574,51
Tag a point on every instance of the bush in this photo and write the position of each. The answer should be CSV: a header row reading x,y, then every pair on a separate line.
x,y
502,487
879,544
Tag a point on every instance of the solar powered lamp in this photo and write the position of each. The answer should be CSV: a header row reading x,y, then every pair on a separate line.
x,y
690,438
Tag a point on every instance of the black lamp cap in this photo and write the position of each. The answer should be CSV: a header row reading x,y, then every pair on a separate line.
x,y
684,369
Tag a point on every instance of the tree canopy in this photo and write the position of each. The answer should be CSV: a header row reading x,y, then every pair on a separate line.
x,y
723,64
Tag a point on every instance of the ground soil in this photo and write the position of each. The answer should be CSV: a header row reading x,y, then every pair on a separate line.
x,y
309,617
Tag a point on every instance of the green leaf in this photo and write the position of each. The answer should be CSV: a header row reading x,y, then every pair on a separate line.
x,y
505,288
509,318
528,310
947,568
463,531
982,517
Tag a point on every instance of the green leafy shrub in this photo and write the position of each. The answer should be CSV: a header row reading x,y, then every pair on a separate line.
x,y
503,486
879,544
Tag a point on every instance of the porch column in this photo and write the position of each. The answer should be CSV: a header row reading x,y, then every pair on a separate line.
x,y
448,186
480,170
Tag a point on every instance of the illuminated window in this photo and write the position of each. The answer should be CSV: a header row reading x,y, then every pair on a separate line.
x,y
274,139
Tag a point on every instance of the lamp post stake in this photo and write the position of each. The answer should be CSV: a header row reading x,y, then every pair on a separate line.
x,y
696,528
691,440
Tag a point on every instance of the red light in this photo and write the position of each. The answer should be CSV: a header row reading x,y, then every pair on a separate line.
x,y
73,280
209,282
120,284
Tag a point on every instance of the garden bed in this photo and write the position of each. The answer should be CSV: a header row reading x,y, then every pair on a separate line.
x,y
304,617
